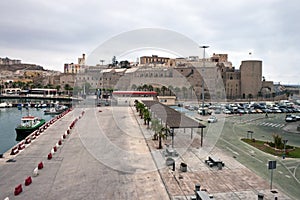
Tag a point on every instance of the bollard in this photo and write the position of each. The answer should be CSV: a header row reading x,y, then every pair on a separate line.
x,y
49,156
27,141
18,190
40,165
35,172
28,181
260,196
14,151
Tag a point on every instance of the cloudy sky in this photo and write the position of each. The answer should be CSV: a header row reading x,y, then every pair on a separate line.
x,y
51,33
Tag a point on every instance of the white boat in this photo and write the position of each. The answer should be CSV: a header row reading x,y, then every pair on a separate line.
x,y
5,105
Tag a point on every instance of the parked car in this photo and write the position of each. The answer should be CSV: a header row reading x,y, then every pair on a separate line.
x,y
290,118
212,119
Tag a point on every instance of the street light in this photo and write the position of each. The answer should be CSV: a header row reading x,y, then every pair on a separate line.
x,y
284,143
203,47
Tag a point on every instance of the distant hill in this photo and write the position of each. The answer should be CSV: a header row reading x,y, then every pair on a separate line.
x,y
15,67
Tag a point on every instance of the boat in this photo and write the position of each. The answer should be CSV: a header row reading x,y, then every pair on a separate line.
x,y
53,111
5,105
28,125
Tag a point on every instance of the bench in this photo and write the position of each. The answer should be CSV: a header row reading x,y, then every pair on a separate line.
x,y
212,161
170,152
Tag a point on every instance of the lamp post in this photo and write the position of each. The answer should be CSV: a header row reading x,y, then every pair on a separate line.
x,y
284,143
203,47
102,61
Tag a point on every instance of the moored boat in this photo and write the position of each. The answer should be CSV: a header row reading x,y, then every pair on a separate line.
x,y
53,111
28,125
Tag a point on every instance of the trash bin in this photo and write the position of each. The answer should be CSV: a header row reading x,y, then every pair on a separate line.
x,y
169,161
183,167
260,196
220,166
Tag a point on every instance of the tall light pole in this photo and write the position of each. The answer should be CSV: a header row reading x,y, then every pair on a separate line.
x,y
102,61
284,151
203,47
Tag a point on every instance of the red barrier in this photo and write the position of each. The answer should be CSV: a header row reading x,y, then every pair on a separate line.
x,y
59,142
14,151
64,136
33,137
54,148
40,165
37,133
28,181
21,146
27,141
68,131
49,156
18,190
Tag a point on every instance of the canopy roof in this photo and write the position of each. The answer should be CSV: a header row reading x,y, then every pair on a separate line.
x,y
171,117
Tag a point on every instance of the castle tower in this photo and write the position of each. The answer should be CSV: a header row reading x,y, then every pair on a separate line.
x,y
251,78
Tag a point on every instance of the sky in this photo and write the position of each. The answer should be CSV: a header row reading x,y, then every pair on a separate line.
x,y
51,33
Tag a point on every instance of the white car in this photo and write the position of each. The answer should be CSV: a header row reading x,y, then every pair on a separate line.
x,y
212,119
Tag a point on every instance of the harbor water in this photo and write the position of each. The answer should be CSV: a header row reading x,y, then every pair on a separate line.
x,y
10,118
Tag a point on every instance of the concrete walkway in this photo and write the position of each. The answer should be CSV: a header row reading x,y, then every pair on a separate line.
x,y
104,157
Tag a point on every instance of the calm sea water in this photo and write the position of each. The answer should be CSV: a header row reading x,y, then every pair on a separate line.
x,y
10,118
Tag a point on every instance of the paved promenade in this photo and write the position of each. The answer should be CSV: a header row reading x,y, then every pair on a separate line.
x,y
75,171
110,154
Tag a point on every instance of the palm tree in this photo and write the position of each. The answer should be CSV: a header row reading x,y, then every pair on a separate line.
x,y
140,108
58,88
155,124
170,88
150,87
68,88
157,90
163,90
177,91
161,134
134,87
145,87
184,90
147,117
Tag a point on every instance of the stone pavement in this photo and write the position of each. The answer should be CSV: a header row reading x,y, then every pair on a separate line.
x,y
234,181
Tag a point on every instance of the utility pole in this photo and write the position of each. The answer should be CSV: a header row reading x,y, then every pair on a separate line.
x,y
203,47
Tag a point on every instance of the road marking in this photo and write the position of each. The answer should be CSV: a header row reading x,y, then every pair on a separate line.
x,y
232,151
287,176
280,172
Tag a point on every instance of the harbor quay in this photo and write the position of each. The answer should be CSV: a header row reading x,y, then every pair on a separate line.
x,y
108,153
75,171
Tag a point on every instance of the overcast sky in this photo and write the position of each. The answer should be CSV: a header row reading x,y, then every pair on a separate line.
x,y
51,33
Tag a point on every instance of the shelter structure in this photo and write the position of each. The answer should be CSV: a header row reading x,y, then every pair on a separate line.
x,y
172,118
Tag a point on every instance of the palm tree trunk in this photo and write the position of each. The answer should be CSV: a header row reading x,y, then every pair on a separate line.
x,y
159,142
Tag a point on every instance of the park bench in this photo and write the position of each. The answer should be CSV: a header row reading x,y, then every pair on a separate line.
x,y
212,161
171,152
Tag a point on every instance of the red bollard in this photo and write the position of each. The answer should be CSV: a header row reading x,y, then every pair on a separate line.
x,y
49,156
14,151
59,142
54,148
28,181
27,141
18,190
40,165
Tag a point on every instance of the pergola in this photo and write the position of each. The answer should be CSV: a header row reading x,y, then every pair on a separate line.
x,y
172,118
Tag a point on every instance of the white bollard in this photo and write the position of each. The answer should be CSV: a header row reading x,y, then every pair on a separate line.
x,y
35,172
52,151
